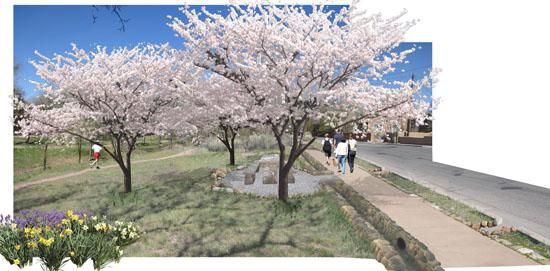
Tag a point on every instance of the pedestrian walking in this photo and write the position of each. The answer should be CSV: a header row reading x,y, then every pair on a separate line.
x,y
327,147
337,138
352,147
342,154
96,155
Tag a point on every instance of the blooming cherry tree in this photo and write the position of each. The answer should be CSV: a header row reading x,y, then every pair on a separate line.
x,y
124,94
294,62
221,108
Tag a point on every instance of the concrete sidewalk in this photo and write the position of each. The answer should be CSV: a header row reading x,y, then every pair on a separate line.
x,y
453,243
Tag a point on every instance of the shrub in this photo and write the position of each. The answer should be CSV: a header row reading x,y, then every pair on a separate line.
x,y
57,237
214,145
259,142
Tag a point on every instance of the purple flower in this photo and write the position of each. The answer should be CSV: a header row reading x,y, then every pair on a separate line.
x,y
5,219
43,218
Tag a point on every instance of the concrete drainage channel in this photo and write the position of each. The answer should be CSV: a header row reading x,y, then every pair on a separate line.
x,y
392,246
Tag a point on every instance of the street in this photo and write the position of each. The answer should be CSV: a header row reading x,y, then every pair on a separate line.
x,y
517,204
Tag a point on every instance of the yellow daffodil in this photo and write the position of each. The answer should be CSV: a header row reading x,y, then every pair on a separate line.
x,y
32,245
46,242
65,221
16,262
74,217
13,226
72,253
80,222
69,213
101,227
68,231
36,231
17,247
48,228
84,215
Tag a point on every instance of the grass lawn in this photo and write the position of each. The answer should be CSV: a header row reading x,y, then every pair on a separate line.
x,y
520,239
28,158
171,201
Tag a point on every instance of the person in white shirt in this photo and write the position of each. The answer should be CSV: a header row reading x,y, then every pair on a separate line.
x,y
96,150
352,152
341,155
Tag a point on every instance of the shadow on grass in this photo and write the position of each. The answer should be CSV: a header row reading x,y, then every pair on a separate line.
x,y
40,201
255,245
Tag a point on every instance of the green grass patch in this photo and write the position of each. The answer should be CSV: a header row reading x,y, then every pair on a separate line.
x,y
520,239
172,203
61,159
366,165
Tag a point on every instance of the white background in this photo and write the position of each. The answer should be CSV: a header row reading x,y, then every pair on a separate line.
x,y
494,115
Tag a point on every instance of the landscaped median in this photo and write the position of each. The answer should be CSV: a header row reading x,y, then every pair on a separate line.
x,y
486,225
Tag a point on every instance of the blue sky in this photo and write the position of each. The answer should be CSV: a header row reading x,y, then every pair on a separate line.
x,y
51,29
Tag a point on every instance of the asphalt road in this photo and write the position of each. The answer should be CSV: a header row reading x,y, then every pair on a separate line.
x,y
517,204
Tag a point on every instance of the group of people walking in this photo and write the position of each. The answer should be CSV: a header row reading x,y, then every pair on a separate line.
x,y
344,150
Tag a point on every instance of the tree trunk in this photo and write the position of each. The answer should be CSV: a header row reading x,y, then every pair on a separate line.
x,y
171,141
91,151
127,180
160,142
28,140
45,157
79,150
232,149
283,178
232,156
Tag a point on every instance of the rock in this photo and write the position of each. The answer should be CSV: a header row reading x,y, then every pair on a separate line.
x,y
483,224
241,167
484,231
468,223
348,210
505,242
214,176
396,263
490,224
249,178
476,226
429,256
269,177
220,172
504,229
537,257
222,189
290,177
513,229
525,251
385,262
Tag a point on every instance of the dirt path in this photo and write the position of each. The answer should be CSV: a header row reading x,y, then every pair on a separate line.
x,y
77,173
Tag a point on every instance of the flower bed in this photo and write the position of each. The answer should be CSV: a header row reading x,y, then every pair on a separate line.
x,y
57,237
